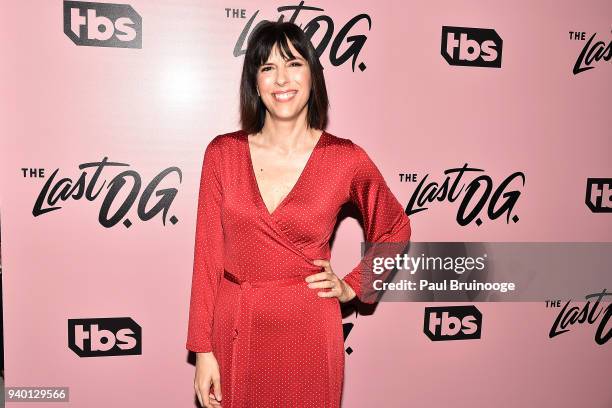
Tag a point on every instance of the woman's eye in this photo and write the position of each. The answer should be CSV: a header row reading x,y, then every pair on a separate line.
x,y
292,64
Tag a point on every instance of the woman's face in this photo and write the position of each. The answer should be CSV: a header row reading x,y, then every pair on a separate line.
x,y
284,86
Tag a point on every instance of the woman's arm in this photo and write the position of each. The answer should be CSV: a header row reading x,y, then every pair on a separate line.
x,y
384,220
208,253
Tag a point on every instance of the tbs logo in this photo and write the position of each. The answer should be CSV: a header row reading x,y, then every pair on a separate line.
x,y
471,47
114,336
599,195
452,323
102,24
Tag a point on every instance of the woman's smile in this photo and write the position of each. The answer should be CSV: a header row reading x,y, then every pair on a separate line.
x,y
284,96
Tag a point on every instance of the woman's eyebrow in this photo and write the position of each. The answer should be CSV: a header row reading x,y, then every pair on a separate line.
x,y
289,60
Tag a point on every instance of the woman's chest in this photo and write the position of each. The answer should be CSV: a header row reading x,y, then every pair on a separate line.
x,y
304,205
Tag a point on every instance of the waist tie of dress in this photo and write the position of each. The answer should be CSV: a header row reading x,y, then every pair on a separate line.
x,y
242,332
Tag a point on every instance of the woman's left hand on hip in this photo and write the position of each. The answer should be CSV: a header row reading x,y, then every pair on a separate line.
x,y
328,279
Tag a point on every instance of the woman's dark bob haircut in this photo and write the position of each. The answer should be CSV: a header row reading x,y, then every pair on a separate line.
x,y
259,47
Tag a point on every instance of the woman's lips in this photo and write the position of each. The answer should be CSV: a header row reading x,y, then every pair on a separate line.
x,y
284,96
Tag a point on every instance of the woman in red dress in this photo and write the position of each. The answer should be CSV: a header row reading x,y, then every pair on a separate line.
x,y
264,317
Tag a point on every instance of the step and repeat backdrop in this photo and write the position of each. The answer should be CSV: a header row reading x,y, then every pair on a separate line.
x,y
490,122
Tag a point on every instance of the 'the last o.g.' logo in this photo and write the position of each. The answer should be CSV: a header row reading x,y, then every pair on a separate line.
x,y
102,24
473,47
87,187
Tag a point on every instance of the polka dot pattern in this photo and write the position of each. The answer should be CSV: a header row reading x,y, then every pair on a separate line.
x,y
277,342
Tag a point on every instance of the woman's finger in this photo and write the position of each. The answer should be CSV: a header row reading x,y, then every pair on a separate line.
x,y
197,390
205,400
329,294
217,388
213,401
317,277
322,284
322,262
335,288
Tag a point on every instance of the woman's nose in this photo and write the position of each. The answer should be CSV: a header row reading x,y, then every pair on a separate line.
x,y
281,76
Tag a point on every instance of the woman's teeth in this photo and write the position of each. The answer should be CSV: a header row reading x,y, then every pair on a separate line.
x,y
285,96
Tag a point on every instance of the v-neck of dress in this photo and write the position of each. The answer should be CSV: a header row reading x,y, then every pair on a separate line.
x,y
291,192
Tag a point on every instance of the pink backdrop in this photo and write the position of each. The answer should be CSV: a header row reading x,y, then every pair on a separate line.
x,y
158,106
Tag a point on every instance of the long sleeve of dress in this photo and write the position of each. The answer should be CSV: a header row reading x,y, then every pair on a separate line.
x,y
208,254
384,220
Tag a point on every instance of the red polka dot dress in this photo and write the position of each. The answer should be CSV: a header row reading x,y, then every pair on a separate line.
x,y
278,343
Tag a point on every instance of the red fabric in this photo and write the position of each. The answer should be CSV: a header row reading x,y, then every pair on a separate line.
x,y
277,342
